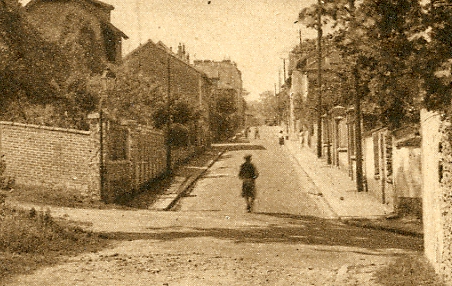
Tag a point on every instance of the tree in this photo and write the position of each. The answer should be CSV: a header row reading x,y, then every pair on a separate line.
x,y
224,120
434,63
376,40
27,63
38,83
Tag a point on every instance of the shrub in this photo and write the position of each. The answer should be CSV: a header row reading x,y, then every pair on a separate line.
x,y
30,239
179,135
36,232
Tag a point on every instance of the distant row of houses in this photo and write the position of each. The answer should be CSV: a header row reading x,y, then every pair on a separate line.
x,y
407,169
115,157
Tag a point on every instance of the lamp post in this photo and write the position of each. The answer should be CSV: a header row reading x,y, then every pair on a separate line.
x,y
108,81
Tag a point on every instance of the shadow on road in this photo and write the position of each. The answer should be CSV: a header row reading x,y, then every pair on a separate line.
x,y
297,230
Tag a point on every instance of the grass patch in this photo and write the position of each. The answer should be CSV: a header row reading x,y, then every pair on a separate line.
x,y
30,239
408,271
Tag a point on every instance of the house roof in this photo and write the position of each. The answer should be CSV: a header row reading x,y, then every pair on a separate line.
x,y
160,45
309,61
116,30
94,2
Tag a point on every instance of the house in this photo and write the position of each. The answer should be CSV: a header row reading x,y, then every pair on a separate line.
x,y
303,74
226,76
173,71
82,28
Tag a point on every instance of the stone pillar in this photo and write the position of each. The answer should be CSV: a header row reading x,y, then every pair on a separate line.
x,y
94,163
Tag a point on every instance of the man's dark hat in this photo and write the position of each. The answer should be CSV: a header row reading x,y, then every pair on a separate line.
x,y
247,156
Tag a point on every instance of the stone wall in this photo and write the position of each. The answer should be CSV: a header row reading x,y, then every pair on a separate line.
x,y
407,180
436,156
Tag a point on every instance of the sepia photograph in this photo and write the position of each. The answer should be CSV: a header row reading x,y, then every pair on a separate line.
x,y
226,142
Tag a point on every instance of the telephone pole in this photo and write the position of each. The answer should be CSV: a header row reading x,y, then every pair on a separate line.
x,y
168,119
319,79
358,115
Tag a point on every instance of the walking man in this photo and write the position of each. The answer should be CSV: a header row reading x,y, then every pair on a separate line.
x,y
248,174
281,138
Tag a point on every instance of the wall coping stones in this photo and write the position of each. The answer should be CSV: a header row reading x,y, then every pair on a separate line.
x,y
34,126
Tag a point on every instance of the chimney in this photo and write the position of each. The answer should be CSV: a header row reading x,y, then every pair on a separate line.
x,y
179,51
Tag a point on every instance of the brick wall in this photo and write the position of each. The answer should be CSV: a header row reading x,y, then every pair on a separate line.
x,y
39,155
68,160
408,180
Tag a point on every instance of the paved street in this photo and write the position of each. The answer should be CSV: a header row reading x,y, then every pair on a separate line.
x,y
281,188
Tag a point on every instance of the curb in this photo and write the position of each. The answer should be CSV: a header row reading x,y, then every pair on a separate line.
x,y
189,182
319,189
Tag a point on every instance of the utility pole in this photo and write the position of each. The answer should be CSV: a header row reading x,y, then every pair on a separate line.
x,y
284,69
168,119
319,79
299,34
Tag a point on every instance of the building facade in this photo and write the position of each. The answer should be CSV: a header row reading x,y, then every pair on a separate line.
x,y
176,75
226,76
82,28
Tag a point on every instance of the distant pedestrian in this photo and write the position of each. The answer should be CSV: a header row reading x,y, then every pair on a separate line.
x,y
256,133
301,138
281,138
248,174
247,131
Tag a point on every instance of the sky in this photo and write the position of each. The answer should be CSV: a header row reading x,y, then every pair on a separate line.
x,y
256,34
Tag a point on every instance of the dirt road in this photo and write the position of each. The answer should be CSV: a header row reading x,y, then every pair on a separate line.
x,y
290,239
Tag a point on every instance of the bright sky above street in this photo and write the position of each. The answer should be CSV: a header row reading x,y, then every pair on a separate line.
x,y
256,34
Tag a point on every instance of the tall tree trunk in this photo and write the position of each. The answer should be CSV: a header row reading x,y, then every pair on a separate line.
x,y
358,133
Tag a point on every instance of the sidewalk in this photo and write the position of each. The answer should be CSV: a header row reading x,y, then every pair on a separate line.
x,y
336,187
184,178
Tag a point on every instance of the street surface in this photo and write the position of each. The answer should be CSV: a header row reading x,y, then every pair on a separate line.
x,y
282,189
210,239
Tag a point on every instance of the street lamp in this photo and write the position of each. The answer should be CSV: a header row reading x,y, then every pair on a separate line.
x,y
108,81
